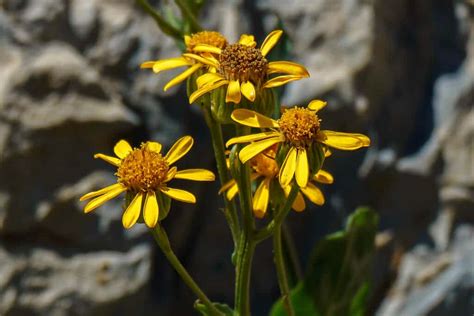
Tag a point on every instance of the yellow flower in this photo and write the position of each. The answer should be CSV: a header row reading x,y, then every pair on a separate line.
x,y
144,174
244,68
201,38
299,128
264,166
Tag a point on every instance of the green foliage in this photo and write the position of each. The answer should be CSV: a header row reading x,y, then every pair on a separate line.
x,y
336,282
204,310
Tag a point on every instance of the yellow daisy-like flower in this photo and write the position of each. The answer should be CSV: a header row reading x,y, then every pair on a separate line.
x,y
300,129
144,173
264,166
201,38
244,68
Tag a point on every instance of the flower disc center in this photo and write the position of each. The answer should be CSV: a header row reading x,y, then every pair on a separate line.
x,y
142,170
206,37
243,63
299,126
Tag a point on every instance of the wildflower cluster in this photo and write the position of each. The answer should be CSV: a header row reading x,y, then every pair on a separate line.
x,y
271,164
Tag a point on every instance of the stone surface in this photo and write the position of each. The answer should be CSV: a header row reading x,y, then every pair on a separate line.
x,y
70,86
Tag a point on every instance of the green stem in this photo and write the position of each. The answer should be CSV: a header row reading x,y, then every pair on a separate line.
x,y
243,272
230,211
281,271
268,230
186,12
166,27
163,242
289,243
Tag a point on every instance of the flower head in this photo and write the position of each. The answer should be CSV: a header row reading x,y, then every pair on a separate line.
x,y
266,171
300,130
191,41
144,173
244,69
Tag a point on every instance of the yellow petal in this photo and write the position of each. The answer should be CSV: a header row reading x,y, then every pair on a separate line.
x,y
227,186
204,48
343,141
299,205
151,210
170,174
179,149
131,214
316,105
248,90
233,92
122,149
147,64
327,152
253,119
154,146
203,60
98,201
313,193
287,67
195,174
261,197
323,177
179,195
232,191
247,40
253,149
111,160
288,167
182,76
205,89
270,41
170,63
251,138
302,168
187,40
208,78
100,192
280,80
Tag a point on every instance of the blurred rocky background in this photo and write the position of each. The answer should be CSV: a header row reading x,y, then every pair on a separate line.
x,y
70,86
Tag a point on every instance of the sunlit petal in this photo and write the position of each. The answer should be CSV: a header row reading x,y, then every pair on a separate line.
x,y
343,141
179,195
151,210
313,193
280,80
205,89
261,197
253,119
251,138
98,201
248,90
131,214
253,149
203,60
316,105
270,41
166,64
154,146
204,48
100,192
323,177
288,167
247,40
179,149
233,92
195,174
302,168
182,76
287,67
122,149
208,78
111,160
170,174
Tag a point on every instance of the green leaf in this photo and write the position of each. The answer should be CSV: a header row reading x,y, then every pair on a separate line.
x,y
336,282
301,300
203,309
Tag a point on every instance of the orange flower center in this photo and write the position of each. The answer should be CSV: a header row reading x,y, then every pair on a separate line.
x,y
142,170
265,164
206,37
243,63
299,126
